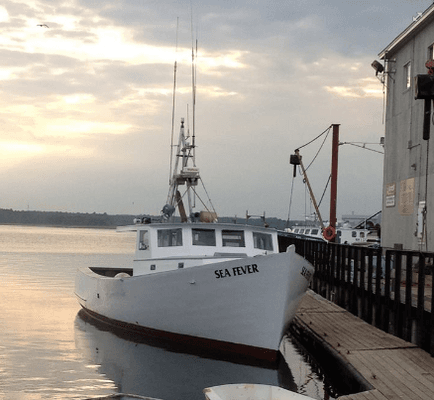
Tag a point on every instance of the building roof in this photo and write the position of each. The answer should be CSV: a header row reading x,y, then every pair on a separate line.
x,y
418,23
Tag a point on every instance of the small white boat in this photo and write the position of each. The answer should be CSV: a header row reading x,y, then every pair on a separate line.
x,y
344,234
248,391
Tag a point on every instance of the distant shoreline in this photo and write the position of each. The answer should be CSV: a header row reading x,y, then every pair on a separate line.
x,y
60,226
97,221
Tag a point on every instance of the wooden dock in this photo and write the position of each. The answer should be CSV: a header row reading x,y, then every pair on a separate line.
x,y
387,367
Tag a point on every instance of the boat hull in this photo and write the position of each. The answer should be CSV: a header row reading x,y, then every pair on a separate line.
x,y
243,305
249,391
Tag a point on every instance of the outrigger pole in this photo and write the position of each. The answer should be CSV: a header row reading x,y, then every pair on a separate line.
x,y
298,161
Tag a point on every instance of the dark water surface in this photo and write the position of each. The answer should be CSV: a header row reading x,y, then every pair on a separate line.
x,y
48,351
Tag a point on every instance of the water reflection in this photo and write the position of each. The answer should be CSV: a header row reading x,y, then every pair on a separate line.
x,y
150,367
46,352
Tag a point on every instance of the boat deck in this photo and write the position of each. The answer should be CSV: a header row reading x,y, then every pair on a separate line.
x,y
392,367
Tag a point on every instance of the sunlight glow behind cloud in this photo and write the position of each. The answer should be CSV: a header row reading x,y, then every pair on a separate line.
x,y
79,128
4,16
20,148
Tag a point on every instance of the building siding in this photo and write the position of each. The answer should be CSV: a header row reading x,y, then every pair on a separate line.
x,y
406,155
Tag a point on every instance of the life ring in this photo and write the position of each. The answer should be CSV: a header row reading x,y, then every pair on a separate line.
x,y
329,233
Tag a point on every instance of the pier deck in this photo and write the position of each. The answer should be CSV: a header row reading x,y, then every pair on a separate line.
x,y
395,369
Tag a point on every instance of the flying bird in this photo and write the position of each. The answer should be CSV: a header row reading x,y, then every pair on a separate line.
x,y
43,25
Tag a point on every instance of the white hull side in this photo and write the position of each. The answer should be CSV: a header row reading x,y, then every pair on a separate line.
x,y
252,309
249,391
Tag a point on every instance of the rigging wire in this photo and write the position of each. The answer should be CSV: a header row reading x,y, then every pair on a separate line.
x,y
362,147
328,129
323,193
290,201
326,132
316,155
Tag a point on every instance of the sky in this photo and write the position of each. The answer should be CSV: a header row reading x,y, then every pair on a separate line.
x,y
86,101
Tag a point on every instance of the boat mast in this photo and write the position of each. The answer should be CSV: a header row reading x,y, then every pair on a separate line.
x,y
184,171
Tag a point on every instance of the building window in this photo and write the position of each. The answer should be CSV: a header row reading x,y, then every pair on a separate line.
x,y
407,75
431,52
203,237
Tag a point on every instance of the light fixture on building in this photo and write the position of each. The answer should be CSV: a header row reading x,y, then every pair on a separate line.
x,y
377,66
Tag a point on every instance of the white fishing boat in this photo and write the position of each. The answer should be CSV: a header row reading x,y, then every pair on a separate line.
x,y
194,279
212,284
249,391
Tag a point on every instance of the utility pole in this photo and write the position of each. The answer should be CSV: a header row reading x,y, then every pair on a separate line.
x,y
334,178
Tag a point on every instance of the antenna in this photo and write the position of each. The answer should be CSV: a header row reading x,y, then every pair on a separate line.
x,y
193,89
173,104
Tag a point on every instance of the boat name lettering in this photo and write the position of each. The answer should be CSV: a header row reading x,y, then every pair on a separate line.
x,y
306,273
236,271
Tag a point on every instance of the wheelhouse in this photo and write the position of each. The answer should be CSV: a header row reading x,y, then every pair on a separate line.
x,y
161,247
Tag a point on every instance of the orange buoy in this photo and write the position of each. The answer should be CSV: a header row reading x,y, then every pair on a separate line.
x,y
329,233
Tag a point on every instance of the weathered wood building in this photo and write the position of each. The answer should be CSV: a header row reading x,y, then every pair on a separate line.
x,y
408,180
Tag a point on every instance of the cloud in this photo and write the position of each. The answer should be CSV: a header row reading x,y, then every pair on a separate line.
x,y
86,105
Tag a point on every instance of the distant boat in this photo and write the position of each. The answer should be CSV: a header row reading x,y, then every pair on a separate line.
x,y
226,286
344,234
248,391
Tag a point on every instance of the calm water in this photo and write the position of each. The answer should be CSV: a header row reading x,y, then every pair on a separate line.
x,y
47,351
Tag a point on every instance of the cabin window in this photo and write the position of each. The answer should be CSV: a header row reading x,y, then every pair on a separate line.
x,y
307,231
203,237
262,241
144,240
315,231
362,234
301,230
233,238
354,234
169,237
296,230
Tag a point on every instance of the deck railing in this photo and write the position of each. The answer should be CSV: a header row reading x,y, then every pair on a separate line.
x,y
390,289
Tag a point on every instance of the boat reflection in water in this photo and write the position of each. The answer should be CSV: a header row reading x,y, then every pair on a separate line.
x,y
148,366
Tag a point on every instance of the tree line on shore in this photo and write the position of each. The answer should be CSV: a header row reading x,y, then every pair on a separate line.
x,y
62,218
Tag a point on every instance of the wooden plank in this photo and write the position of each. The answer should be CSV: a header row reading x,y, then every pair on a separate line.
x,y
371,395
